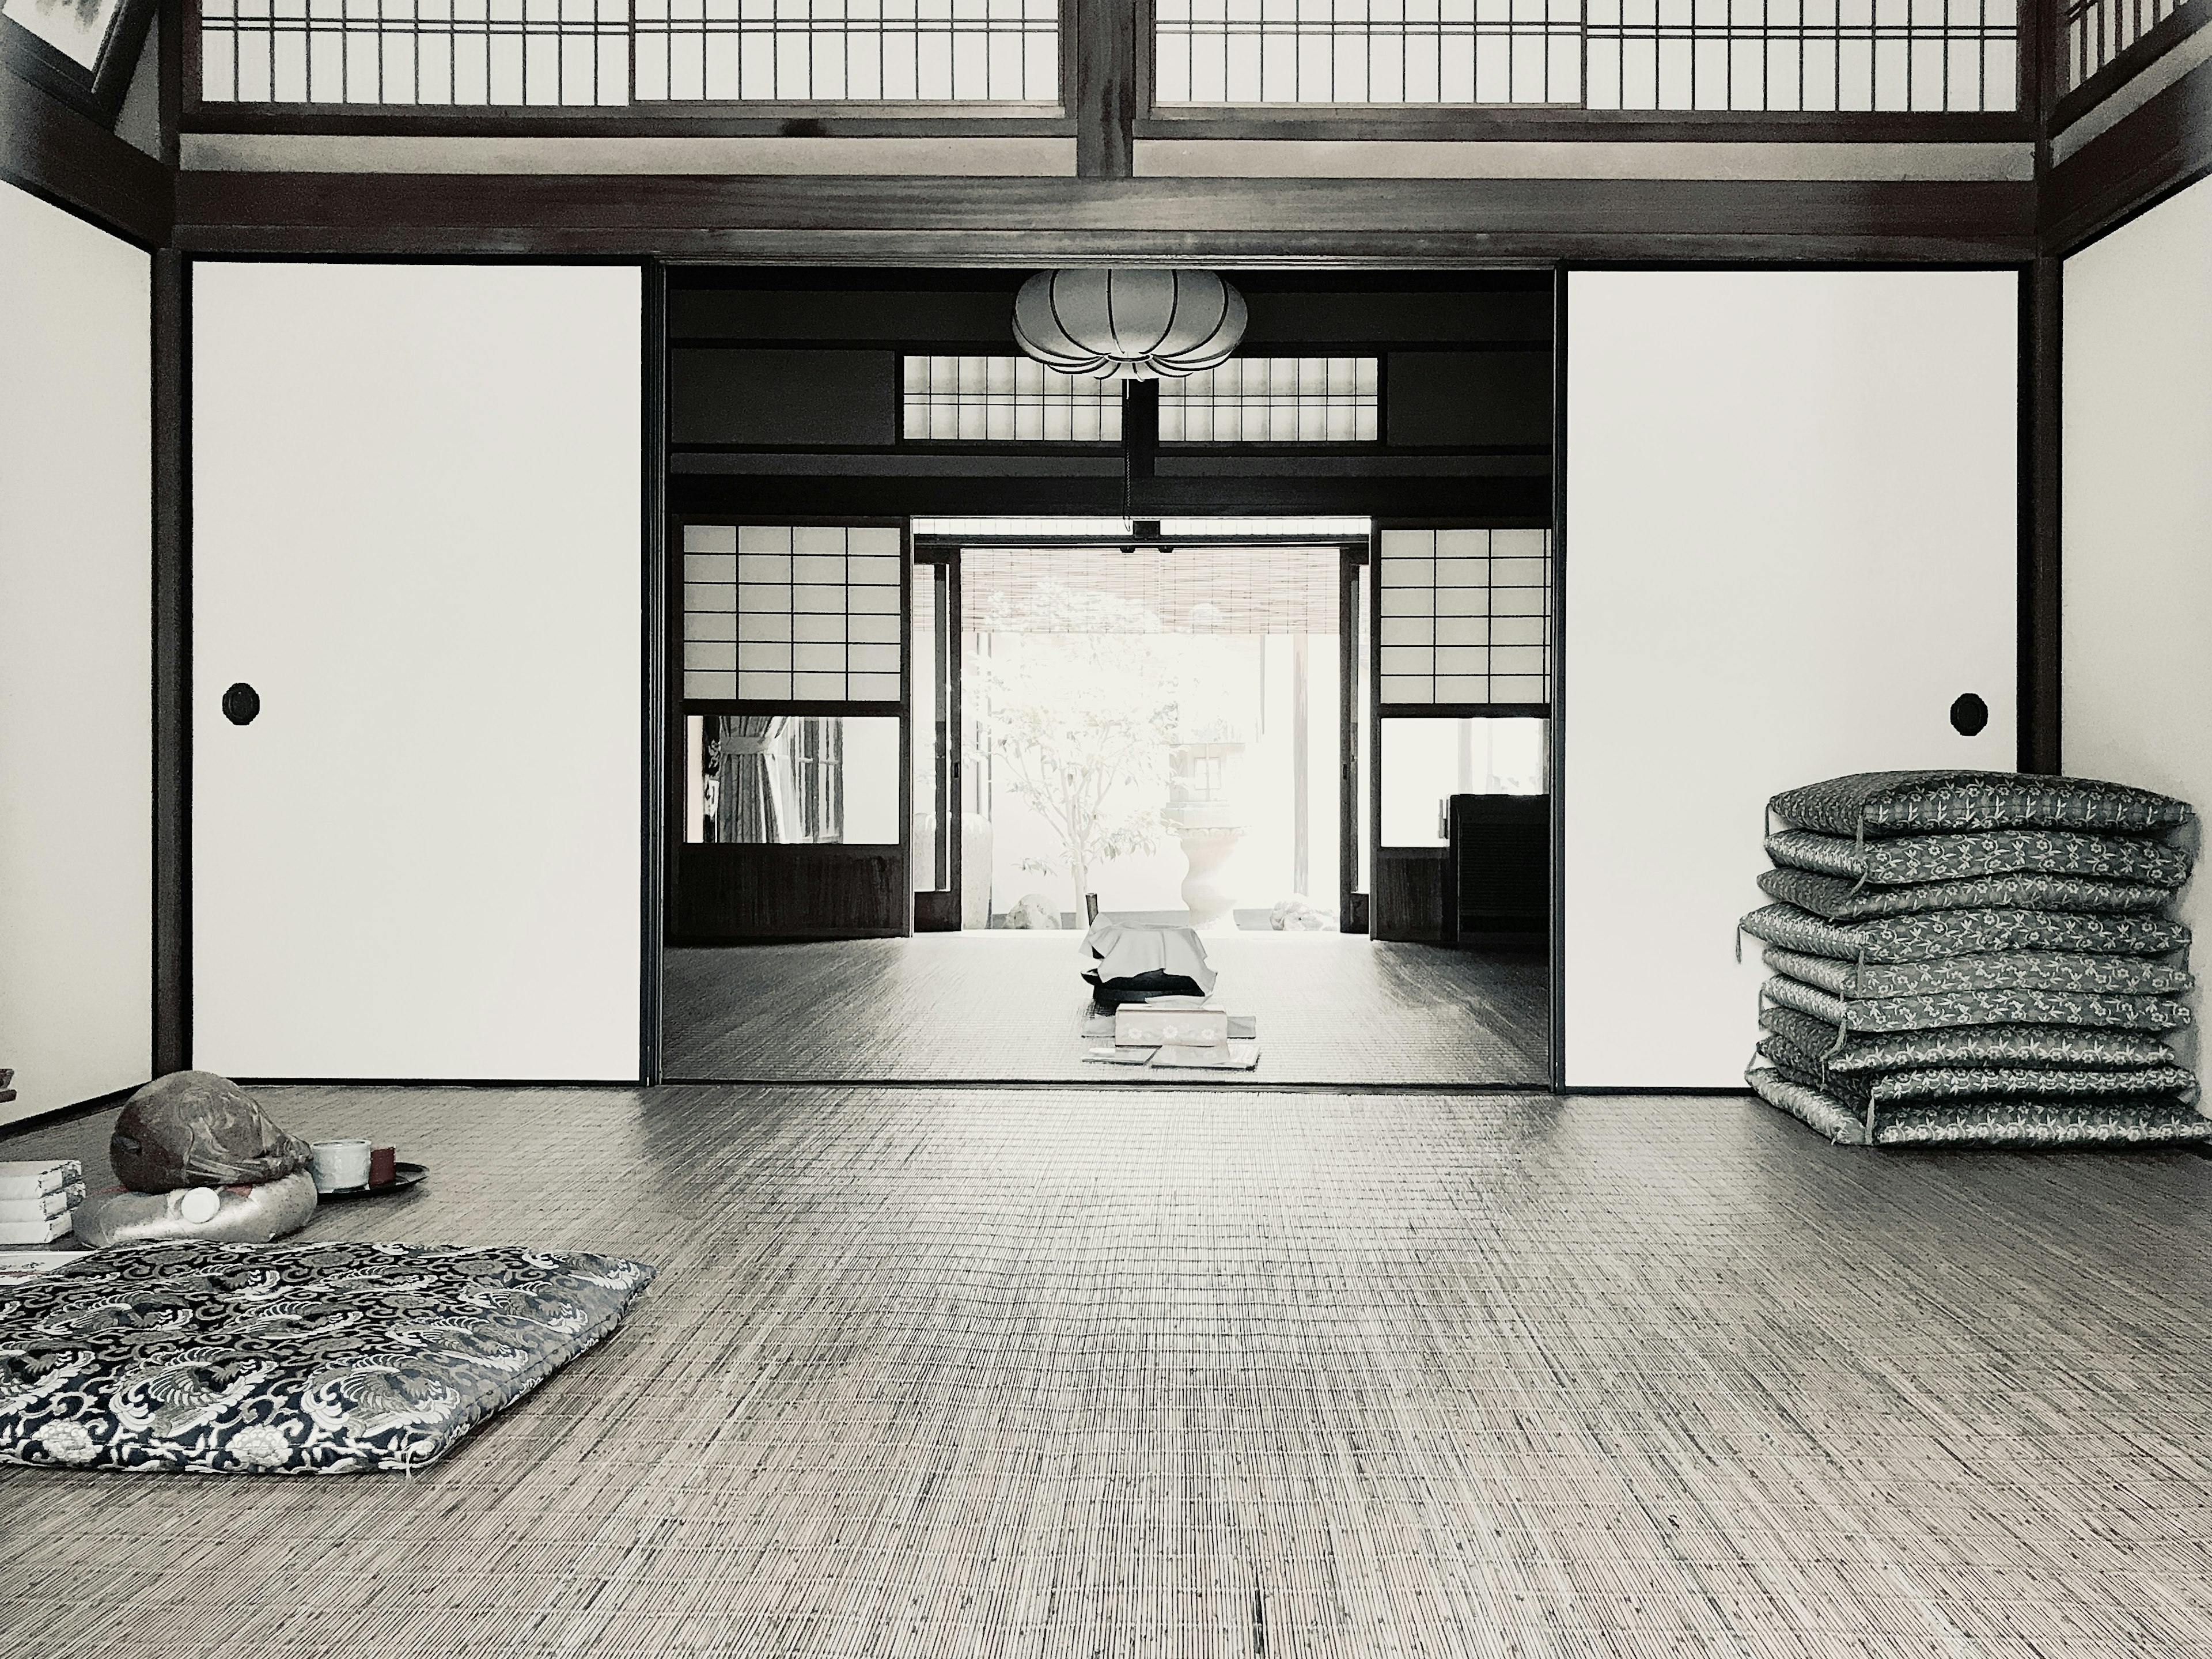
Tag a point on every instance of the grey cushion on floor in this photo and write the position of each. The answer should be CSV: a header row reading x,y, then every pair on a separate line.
x,y
288,1358
1992,970
1905,859
1906,803
1942,1082
1842,900
2040,1122
1948,1008
2053,1045
1927,935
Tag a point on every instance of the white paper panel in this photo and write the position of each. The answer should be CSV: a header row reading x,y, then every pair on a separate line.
x,y
1790,543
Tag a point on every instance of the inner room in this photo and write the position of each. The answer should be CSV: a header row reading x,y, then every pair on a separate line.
x,y
973,652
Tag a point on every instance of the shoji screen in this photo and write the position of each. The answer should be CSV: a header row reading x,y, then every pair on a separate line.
x,y
1789,545
417,536
2137,675
76,645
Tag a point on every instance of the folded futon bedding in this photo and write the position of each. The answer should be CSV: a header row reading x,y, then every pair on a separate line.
x,y
1975,956
1921,1013
1881,804
1992,970
288,1358
1940,1083
1838,900
2031,1122
1928,936
2051,1047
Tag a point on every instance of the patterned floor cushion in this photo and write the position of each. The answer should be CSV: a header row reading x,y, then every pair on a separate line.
x,y
1928,935
1942,1082
1842,900
1945,1008
1910,803
288,1358
1992,970
2006,1123
1905,859
1970,1045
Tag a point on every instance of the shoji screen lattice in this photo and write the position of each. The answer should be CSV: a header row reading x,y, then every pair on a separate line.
x,y
1466,618
779,613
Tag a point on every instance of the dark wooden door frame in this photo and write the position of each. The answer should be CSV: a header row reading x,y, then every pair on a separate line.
x,y
946,911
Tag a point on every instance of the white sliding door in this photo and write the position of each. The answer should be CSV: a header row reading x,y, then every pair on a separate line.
x,y
2136,672
1790,543
417,537
76,795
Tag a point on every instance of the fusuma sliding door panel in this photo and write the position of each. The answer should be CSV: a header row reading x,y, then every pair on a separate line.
x,y
2137,399
76,967
1790,543
417,537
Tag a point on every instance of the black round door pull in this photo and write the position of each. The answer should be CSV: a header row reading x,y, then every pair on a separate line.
x,y
241,704
1969,714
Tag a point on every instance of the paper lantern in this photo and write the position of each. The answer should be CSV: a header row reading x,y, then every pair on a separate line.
x,y
1128,322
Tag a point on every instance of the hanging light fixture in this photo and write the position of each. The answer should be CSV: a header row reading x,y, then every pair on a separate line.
x,y
1125,322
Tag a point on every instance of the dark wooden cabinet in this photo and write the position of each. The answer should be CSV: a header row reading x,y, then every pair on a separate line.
x,y
1497,866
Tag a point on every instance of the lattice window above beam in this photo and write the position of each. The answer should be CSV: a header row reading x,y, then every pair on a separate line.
x,y
1466,617
1657,55
1272,400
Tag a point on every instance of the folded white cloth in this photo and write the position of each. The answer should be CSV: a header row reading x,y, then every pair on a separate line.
x,y
1125,950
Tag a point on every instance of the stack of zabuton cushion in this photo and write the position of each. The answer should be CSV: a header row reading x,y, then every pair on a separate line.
x,y
1978,956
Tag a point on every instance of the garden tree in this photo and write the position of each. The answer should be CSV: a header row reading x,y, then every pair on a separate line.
x,y
1081,700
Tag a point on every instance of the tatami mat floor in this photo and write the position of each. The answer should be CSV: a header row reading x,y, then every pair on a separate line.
x,y
1119,1373
1007,1006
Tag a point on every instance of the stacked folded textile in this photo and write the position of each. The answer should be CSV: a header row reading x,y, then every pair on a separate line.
x,y
1975,956
38,1198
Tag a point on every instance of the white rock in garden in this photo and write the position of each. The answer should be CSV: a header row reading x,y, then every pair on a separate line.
x,y
1033,910
1297,914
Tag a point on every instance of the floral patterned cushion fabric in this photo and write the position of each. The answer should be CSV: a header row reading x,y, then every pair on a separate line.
x,y
1929,935
1908,859
2035,1122
1918,803
1945,1008
2054,1047
1838,900
288,1358
1993,970
1934,1083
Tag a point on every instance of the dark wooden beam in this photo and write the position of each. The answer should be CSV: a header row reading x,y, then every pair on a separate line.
x,y
65,157
173,664
1018,222
1105,87
2038,697
2146,156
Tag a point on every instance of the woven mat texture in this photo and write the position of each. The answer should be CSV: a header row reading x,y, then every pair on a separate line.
x,y
1006,1007
1202,1373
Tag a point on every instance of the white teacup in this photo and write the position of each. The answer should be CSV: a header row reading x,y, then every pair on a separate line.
x,y
339,1164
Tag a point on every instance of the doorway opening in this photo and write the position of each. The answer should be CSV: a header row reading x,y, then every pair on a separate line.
x,y
1205,724
1152,728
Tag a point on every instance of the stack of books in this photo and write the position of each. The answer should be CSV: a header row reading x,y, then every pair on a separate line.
x,y
1176,1032
39,1200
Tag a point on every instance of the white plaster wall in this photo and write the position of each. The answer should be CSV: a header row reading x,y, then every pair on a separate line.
x,y
2135,674
76,659
1790,543
416,534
